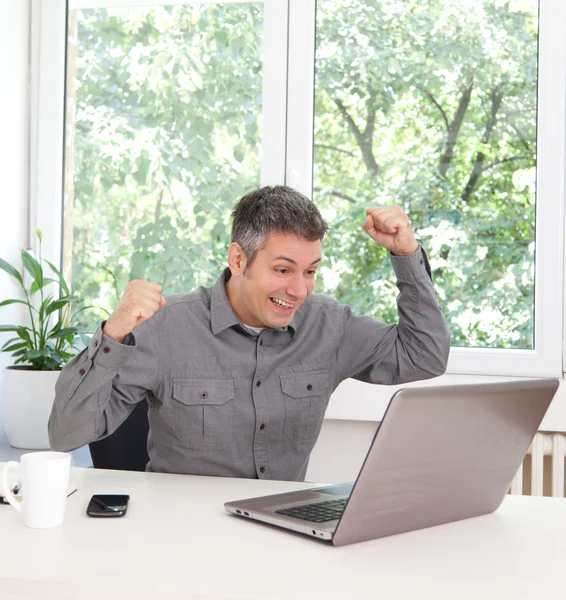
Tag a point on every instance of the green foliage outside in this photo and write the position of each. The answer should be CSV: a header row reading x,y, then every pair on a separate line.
x,y
428,104
167,137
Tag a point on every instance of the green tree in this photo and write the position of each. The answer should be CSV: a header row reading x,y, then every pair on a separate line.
x,y
432,105
167,132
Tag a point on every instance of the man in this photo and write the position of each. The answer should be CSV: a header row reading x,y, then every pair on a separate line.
x,y
238,376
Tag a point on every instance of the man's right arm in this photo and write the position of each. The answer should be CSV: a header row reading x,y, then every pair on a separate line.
x,y
100,387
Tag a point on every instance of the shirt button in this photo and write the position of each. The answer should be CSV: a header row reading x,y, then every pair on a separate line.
x,y
422,261
258,383
106,349
81,372
309,387
262,469
95,343
262,427
261,342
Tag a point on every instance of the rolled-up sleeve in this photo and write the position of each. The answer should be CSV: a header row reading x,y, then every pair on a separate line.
x,y
415,348
100,387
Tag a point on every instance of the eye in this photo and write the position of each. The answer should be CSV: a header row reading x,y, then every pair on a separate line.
x,y
281,270
311,272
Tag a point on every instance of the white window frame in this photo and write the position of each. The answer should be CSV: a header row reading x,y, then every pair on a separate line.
x,y
288,97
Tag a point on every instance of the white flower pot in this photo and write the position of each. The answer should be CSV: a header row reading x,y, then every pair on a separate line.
x,y
27,399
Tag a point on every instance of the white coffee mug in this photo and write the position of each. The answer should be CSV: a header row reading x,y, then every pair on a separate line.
x,y
44,480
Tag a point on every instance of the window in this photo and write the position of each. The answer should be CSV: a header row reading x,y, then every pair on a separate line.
x,y
455,110
433,106
163,132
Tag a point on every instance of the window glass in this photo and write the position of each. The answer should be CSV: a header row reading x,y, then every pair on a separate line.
x,y
163,133
431,104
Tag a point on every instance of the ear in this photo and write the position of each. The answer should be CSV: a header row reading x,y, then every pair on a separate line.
x,y
236,259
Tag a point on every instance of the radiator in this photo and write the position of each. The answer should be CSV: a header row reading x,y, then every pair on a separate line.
x,y
542,471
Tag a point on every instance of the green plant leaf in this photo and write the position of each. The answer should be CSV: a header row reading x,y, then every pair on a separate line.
x,y
62,282
23,332
13,301
55,329
11,271
45,304
15,347
35,286
33,267
33,354
16,328
64,332
58,304
50,364
10,341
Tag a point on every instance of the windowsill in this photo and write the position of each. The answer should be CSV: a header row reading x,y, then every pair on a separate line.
x,y
356,401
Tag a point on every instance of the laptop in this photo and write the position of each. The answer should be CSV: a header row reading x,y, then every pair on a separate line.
x,y
439,455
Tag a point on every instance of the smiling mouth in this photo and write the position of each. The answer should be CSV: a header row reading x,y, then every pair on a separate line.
x,y
282,305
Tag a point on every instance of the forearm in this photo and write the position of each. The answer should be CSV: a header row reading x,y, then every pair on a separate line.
x,y
86,405
423,338
415,348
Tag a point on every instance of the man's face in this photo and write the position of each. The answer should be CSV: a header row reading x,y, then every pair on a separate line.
x,y
278,281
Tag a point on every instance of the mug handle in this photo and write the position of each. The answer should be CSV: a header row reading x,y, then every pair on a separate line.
x,y
6,488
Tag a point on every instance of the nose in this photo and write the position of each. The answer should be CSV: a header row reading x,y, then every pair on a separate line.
x,y
298,288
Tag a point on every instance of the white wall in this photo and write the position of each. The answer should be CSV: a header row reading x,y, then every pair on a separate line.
x,y
14,127
340,450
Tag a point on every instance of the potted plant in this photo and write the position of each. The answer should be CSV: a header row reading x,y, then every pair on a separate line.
x,y
39,348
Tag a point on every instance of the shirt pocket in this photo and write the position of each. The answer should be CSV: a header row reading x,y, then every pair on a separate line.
x,y
305,396
203,411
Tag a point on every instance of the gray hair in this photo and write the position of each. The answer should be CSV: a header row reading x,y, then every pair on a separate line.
x,y
274,209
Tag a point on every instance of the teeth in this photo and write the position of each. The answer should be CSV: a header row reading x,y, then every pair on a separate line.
x,y
281,303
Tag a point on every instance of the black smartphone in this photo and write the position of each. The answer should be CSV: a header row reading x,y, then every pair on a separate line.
x,y
108,505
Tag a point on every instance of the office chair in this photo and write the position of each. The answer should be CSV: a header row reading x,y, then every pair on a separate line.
x,y
126,448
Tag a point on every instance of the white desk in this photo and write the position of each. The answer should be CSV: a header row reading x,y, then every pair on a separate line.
x,y
176,541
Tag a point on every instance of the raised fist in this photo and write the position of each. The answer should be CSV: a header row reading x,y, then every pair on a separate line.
x,y
141,300
390,227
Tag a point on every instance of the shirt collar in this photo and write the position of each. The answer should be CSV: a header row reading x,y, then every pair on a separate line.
x,y
222,315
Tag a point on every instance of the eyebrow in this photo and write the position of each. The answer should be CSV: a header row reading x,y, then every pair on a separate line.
x,y
294,262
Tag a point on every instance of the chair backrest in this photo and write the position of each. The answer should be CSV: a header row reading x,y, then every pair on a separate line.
x,y
126,448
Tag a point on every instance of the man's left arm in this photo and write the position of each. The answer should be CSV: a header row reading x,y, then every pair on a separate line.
x,y
415,348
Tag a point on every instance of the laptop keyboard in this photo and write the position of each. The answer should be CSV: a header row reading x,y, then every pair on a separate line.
x,y
318,512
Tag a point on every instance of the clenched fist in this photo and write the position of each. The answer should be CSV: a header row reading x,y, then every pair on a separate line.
x,y
141,300
390,227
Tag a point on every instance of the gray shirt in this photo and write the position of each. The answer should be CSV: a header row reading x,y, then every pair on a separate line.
x,y
224,402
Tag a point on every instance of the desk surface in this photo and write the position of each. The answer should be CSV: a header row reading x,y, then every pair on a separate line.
x,y
177,541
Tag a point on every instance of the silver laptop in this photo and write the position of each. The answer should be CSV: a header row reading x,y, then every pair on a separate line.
x,y
440,454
